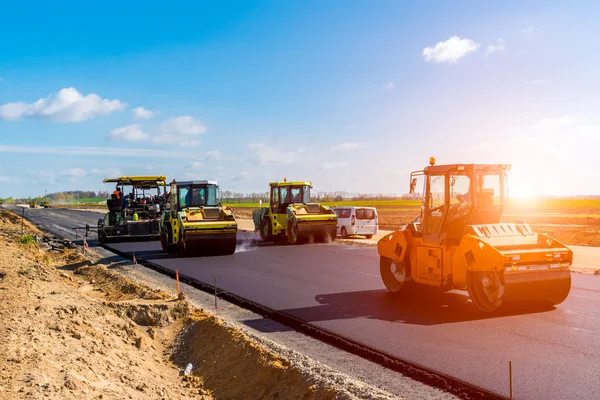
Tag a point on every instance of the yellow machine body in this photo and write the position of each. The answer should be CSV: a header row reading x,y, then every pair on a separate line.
x,y
197,226
292,216
457,244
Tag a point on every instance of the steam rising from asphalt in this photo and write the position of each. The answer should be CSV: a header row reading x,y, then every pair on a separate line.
x,y
246,245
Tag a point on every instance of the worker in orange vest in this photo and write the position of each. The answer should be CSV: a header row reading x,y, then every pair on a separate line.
x,y
117,193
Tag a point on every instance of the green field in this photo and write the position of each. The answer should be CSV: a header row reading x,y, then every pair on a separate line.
x,y
551,205
362,203
543,204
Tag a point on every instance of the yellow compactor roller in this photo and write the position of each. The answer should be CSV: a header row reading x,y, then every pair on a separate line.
x,y
458,242
196,223
292,216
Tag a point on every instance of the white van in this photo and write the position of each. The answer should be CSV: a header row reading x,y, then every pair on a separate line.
x,y
356,221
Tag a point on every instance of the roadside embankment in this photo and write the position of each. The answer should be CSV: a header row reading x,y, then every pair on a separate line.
x,y
75,328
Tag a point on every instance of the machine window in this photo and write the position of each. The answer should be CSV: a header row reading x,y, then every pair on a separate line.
x,y
437,191
436,202
285,195
296,195
184,196
306,194
211,196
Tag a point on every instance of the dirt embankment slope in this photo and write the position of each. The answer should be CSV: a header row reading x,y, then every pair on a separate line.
x,y
72,328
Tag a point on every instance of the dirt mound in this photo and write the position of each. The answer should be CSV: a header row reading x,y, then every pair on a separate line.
x,y
116,287
11,222
232,366
61,341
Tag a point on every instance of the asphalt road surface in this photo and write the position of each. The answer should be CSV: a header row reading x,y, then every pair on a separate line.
x,y
555,351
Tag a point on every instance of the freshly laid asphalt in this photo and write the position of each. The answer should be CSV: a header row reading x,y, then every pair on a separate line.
x,y
555,351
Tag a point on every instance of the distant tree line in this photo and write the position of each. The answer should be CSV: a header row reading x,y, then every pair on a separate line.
x,y
229,197
61,197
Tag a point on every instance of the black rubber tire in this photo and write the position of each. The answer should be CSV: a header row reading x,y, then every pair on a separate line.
x,y
228,248
368,236
101,237
181,250
344,232
477,293
267,235
291,237
163,242
333,235
389,280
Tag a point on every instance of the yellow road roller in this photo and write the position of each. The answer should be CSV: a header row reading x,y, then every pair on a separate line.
x,y
458,242
196,223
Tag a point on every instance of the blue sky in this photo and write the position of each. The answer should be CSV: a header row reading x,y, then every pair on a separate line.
x,y
352,95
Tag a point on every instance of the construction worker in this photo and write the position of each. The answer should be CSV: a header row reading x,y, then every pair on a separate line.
x,y
117,193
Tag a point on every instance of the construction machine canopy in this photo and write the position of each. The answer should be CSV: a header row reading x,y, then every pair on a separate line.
x,y
200,182
138,181
286,183
200,193
435,169
457,195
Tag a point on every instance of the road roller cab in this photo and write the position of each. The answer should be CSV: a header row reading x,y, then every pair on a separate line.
x,y
196,222
292,216
459,242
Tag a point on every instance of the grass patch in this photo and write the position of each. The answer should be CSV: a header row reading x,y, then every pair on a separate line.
x,y
356,203
27,239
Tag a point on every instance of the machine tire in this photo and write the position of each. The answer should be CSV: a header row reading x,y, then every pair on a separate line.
x,y
181,249
394,281
333,235
344,232
101,237
292,234
229,247
265,223
368,236
163,242
486,290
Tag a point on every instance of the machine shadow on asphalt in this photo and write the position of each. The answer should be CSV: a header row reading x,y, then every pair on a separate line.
x,y
423,309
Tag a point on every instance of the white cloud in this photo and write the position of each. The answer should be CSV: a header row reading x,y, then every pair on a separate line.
x,y
68,105
449,51
389,85
333,165
269,155
101,151
142,113
213,155
185,125
75,172
241,176
349,146
209,155
130,132
498,46
527,30
163,139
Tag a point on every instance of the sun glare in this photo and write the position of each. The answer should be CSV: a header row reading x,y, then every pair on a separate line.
x,y
521,192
